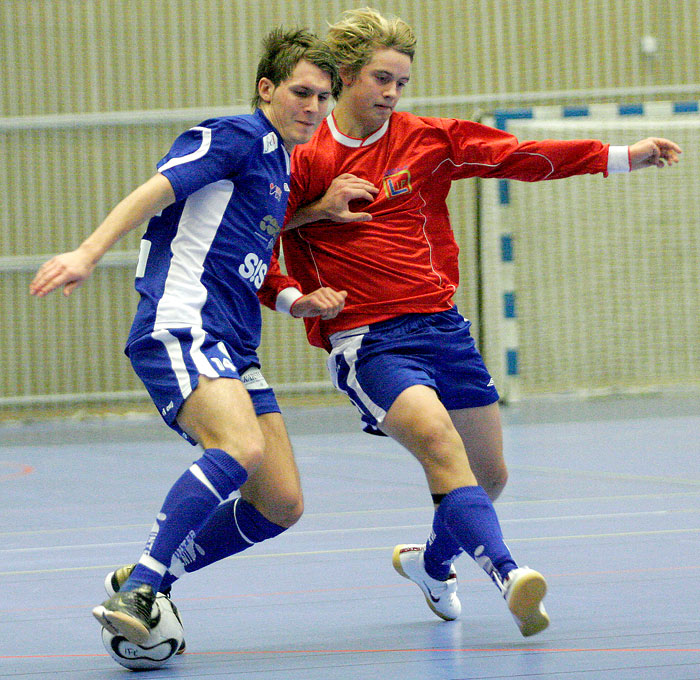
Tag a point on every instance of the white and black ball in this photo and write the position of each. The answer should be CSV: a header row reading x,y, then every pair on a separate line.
x,y
164,641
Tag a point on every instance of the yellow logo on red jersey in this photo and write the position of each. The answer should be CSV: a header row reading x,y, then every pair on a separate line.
x,y
398,183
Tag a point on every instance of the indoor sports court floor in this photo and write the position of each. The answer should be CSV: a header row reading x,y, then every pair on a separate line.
x,y
604,499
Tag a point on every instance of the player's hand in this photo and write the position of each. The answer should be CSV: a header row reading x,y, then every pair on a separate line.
x,y
68,270
653,151
343,189
324,302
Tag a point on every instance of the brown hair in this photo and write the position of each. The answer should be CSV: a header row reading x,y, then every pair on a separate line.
x,y
284,49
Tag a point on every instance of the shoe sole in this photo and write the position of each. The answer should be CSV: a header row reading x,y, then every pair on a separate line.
x,y
396,561
119,623
524,603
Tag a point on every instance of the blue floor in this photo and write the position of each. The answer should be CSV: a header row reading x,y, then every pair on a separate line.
x,y
603,498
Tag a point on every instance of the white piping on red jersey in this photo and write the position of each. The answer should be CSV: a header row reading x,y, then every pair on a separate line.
x,y
427,240
495,165
354,142
311,255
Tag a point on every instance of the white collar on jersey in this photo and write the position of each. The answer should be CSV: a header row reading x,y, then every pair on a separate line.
x,y
354,141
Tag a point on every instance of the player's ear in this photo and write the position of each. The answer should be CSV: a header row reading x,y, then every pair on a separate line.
x,y
265,89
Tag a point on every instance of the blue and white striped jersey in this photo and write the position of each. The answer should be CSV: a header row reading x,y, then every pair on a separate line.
x,y
204,257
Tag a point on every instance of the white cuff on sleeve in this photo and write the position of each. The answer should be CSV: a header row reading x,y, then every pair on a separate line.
x,y
618,159
286,299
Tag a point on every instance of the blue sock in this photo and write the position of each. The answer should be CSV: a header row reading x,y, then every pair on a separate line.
x,y
234,526
441,550
190,501
468,514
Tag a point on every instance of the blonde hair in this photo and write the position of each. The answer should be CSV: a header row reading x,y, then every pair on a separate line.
x,y
354,39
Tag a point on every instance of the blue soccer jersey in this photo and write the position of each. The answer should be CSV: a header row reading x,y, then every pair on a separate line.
x,y
204,257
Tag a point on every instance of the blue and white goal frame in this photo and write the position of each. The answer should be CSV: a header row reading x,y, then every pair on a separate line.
x,y
499,328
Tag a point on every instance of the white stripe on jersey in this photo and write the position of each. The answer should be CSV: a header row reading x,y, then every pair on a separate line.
x,y
144,251
184,294
204,147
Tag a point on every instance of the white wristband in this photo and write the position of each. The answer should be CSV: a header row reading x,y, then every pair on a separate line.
x,y
618,159
286,299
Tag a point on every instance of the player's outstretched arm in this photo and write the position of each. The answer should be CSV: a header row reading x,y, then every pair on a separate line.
x,y
324,302
334,204
653,151
72,268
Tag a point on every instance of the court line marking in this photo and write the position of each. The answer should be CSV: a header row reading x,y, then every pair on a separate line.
x,y
592,474
422,526
473,580
336,551
410,650
17,470
503,503
377,511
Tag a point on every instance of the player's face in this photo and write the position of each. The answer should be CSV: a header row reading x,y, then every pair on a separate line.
x,y
297,105
374,92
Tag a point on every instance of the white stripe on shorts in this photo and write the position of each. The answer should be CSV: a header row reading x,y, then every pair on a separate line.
x,y
347,348
177,361
335,338
200,361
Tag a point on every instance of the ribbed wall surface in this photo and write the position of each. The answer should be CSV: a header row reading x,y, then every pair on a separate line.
x,y
60,176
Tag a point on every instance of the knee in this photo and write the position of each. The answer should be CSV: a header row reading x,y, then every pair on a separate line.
x,y
251,456
444,460
441,443
248,451
284,510
494,482
290,511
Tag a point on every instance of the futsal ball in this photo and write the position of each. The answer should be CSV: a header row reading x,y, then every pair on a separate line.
x,y
164,641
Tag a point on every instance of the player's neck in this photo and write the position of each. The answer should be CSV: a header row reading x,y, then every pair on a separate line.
x,y
351,125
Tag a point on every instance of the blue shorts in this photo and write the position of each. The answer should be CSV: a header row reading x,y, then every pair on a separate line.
x,y
169,363
373,364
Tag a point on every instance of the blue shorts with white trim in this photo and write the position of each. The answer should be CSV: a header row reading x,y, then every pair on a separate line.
x,y
374,364
170,361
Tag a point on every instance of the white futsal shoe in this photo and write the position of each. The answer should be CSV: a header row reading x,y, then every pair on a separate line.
x,y
523,591
441,596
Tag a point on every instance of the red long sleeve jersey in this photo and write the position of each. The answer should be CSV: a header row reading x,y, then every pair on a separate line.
x,y
405,259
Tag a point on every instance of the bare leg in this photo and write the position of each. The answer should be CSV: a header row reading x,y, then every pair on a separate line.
x,y
419,421
274,487
481,433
